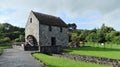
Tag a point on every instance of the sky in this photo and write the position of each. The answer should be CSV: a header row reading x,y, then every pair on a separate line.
x,y
87,14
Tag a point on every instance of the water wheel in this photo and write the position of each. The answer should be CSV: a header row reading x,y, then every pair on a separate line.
x,y
31,43
31,40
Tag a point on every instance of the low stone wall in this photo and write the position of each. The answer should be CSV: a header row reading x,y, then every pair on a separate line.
x,y
92,59
51,49
22,46
18,47
31,48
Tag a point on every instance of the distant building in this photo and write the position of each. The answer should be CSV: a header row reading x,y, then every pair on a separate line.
x,y
48,33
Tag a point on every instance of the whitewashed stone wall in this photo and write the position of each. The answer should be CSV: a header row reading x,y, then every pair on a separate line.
x,y
32,28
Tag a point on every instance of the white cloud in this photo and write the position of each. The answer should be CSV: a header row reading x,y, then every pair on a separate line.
x,y
85,13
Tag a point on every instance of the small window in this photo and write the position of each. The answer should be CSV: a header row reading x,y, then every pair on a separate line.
x,y
30,20
60,29
50,28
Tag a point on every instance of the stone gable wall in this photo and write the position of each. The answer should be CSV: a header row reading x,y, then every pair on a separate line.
x,y
32,28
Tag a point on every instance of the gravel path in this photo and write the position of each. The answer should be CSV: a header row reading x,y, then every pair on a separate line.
x,y
17,58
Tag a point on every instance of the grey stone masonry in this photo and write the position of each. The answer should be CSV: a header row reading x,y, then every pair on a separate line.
x,y
92,59
47,32
45,35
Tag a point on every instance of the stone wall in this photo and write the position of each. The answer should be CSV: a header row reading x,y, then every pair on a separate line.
x,y
92,59
45,35
24,46
51,49
32,28
18,45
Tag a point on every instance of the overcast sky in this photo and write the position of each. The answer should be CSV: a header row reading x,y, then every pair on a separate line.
x,y
87,14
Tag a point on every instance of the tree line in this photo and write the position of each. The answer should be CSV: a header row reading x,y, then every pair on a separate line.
x,y
10,33
104,34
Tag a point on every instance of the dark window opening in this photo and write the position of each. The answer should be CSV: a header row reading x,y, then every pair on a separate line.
x,y
30,20
50,28
60,29
53,41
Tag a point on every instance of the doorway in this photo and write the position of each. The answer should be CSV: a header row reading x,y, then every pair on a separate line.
x,y
53,41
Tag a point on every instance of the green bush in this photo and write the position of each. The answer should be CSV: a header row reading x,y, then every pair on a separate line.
x,y
20,39
6,39
116,40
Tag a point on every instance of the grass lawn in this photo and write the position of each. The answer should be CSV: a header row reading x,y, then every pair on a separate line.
x,y
109,51
3,47
52,61
1,51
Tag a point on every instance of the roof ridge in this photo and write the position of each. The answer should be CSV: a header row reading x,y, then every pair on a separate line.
x,y
45,14
49,19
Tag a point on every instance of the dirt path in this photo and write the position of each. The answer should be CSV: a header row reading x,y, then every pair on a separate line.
x,y
17,58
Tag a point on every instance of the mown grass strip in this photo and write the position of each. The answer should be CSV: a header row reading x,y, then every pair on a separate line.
x,y
52,61
4,47
108,52
1,51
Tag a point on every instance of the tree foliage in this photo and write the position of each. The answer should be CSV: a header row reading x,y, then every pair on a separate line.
x,y
92,37
8,33
72,27
101,35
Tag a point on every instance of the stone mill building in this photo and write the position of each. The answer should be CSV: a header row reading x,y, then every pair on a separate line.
x,y
45,32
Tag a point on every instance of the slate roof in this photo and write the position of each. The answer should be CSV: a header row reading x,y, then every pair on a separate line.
x,y
49,20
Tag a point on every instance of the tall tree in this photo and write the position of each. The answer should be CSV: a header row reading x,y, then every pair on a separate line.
x,y
92,37
72,27
83,35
